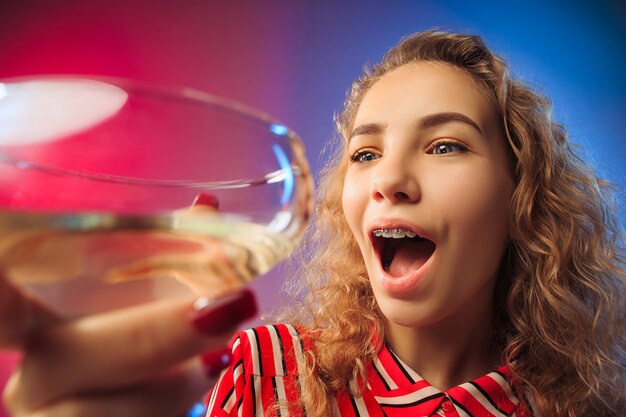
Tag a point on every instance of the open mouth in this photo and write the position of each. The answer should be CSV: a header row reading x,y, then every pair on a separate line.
x,y
401,251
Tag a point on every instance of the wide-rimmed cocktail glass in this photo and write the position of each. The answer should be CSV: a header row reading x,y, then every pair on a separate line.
x,y
115,193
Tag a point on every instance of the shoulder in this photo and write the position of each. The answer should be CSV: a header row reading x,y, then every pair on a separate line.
x,y
270,350
265,370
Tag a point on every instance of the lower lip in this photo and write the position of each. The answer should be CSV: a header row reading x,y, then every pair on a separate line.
x,y
403,285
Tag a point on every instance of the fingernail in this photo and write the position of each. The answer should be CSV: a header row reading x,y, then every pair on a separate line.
x,y
216,316
214,362
206,200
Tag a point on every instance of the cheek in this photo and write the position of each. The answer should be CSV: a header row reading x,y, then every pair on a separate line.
x,y
350,204
478,208
354,202
484,206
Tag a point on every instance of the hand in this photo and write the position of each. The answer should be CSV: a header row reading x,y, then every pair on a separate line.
x,y
136,362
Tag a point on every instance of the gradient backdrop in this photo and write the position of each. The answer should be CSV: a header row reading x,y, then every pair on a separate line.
x,y
296,59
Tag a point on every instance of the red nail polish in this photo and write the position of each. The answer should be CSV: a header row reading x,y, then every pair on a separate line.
x,y
206,200
214,362
216,316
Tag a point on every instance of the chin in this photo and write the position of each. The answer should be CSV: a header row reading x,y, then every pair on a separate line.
x,y
406,313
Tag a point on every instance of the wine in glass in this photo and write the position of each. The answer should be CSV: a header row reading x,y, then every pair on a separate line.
x,y
115,193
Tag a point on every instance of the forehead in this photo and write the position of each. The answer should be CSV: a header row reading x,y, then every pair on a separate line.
x,y
422,88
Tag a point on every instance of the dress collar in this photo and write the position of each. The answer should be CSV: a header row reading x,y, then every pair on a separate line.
x,y
398,388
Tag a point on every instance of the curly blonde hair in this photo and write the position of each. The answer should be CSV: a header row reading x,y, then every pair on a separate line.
x,y
560,291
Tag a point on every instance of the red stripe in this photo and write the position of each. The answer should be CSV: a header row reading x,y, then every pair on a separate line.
x,y
290,380
522,411
423,409
249,405
241,368
226,383
266,347
406,390
393,369
246,354
244,388
469,402
373,408
495,391
268,399
289,354
345,405
375,381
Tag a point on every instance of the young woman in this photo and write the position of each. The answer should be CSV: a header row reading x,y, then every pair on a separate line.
x,y
463,262
464,259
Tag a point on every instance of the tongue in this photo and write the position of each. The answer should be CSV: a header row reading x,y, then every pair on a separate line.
x,y
410,256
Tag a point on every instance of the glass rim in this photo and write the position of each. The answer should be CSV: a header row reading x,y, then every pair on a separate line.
x,y
179,93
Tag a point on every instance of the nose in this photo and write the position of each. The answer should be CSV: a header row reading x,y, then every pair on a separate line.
x,y
396,182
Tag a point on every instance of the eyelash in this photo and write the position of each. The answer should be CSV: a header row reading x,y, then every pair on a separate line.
x,y
358,154
447,142
461,148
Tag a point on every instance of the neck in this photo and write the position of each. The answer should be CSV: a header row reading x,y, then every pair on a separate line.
x,y
450,352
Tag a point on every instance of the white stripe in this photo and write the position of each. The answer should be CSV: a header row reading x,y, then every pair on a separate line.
x,y
236,344
359,402
410,397
259,397
254,351
282,397
230,403
237,373
278,369
473,391
505,387
297,350
276,343
383,372
360,405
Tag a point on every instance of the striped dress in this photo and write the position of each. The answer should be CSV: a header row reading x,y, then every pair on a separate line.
x,y
266,367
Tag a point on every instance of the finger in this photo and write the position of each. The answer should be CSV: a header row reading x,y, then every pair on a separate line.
x,y
19,316
119,349
170,394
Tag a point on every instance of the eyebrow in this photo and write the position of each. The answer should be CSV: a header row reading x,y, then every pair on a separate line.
x,y
425,122
437,119
368,129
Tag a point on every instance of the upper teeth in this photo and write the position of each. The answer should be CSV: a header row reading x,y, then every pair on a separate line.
x,y
397,233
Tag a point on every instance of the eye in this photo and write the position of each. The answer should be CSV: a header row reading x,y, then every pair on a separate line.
x,y
447,146
364,156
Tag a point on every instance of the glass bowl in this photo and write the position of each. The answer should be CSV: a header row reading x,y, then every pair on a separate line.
x,y
115,193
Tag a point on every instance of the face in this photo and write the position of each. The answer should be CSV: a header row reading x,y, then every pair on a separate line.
x,y
427,193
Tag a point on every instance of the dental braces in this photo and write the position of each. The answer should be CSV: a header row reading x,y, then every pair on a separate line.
x,y
397,233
